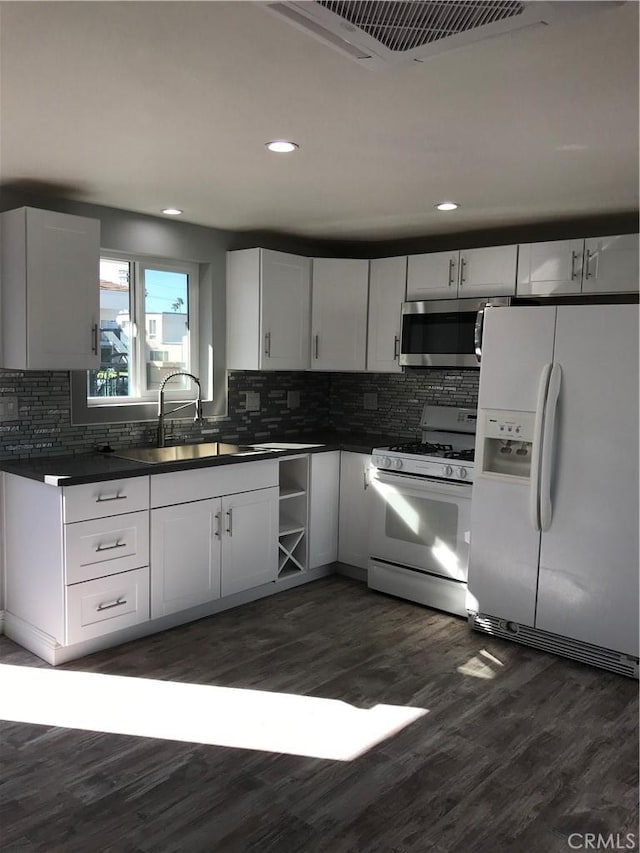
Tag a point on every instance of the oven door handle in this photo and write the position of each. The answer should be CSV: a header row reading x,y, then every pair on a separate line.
x,y
421,484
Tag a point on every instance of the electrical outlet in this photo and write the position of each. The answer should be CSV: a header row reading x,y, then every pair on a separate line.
x,y
252,401
8,408
293,399
370,400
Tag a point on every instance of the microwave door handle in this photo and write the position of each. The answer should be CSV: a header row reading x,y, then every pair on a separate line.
x,y
551,409
536,450
477,333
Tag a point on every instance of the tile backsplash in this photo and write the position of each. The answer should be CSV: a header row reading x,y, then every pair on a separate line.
x,y
363,402
392,403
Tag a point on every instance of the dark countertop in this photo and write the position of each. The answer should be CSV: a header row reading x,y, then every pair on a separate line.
x,y
93,467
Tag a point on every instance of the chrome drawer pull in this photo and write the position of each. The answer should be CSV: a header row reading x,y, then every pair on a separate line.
x,y
116,497
117,603
110,547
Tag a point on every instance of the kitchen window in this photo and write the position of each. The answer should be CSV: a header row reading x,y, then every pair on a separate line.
x,y
148,329
148,314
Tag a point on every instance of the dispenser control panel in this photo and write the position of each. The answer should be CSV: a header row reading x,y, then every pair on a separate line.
x,y
514,425
506,441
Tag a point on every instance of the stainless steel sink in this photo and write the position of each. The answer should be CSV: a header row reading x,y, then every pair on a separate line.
x,y
185,452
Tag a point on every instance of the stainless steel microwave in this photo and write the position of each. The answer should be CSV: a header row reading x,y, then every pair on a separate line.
x,y
444,332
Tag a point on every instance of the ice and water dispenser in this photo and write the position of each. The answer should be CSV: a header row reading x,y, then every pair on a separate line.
x,y
506,444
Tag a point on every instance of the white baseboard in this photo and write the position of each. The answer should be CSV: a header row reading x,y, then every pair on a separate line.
x,y
47,647
31,638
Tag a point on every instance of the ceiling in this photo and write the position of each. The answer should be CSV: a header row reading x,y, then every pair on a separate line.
x,y
144,105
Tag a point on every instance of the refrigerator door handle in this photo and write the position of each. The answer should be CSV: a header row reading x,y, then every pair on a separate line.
x,y
551,408
477,333
536,450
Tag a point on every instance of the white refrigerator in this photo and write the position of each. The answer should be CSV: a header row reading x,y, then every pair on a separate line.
x,y
554,520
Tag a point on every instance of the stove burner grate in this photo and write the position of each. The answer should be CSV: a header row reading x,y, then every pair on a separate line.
x,y
421,448
462,455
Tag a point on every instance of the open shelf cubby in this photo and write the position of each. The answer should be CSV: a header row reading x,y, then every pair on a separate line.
x,y
292,537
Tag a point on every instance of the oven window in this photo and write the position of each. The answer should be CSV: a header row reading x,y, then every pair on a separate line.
x,y
421,521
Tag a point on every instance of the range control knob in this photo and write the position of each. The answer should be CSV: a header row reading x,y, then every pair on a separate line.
x,y
385,462
463,473
397,463
448,470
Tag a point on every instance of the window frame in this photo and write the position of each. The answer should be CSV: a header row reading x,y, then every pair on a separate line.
x,y
87,410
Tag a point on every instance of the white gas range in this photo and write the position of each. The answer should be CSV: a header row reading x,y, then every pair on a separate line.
x,y
419,535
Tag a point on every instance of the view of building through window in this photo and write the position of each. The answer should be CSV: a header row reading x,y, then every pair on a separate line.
x,y
136,298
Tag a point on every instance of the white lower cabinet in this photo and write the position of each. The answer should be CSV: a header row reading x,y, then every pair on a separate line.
x,y
108,604
206,549
84,572
355,506
185,556
249,540
293,514
324,501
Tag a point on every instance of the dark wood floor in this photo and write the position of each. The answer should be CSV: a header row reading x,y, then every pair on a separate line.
x,y
512,763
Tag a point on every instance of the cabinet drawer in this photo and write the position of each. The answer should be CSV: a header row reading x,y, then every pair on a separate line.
x,y
101,606
106,546
110,497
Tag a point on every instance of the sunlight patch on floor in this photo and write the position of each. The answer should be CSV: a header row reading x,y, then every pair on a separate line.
x,y
198,713
483,665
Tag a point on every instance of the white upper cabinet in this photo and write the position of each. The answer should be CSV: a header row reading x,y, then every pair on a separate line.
x,y
594,265
489,271
387,285
339,314
548,268
610,264
50,290
433,276
268,310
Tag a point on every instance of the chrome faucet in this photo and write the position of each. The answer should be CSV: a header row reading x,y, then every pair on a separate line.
x,y
197,401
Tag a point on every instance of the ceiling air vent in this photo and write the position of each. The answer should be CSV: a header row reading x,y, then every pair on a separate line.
x,y
385,32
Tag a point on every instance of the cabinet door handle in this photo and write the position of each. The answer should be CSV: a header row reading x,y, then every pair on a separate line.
x,y
574,272
94,339
452,265
316,346
396,347
463,278
267,344
587,261
366,479
117,497
217,531
120,601
230,522
110,547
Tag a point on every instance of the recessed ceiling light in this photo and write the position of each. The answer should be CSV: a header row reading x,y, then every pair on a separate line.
x,y
447,205
281,146
171,211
